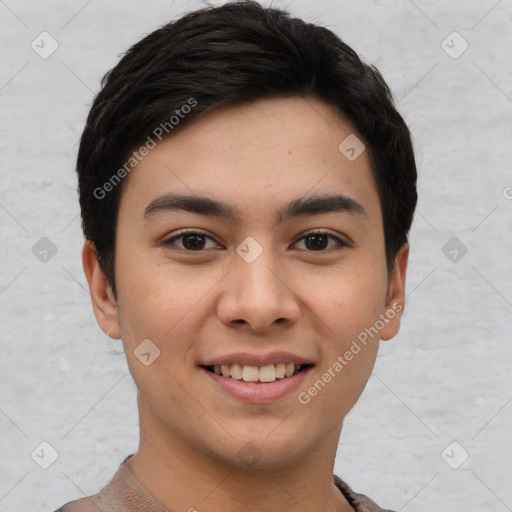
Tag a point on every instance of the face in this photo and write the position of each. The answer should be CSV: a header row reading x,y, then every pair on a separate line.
x,y
268,278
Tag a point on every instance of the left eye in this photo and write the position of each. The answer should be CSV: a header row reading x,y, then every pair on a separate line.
x,y
194,241
320,239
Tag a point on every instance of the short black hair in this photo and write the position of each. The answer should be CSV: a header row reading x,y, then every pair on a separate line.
x,y
224,56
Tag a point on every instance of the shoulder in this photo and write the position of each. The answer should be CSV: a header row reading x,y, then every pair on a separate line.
x,y
111,497
89,504
359,502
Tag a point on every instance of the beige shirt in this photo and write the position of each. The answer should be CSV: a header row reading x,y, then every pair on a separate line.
x,y
124,493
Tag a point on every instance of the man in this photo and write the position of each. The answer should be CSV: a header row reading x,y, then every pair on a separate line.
x,y
246,188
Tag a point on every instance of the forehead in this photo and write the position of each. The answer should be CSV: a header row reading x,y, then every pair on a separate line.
x,y
257,156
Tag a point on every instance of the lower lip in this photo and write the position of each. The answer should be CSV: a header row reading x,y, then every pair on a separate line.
x,y
251,392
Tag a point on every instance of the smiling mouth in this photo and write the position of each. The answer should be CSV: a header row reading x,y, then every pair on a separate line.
x,y
258,374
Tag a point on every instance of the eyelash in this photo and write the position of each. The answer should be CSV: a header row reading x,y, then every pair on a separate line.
x,y
338,240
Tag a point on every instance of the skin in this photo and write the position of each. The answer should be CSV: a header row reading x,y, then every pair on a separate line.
x,y
202,304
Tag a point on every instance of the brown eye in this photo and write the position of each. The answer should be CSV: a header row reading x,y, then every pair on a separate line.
x,y
316,242
319,241
190,241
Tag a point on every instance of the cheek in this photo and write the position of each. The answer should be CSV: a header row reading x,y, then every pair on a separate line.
x,y
156,295
156,304
168,305
348,311
347,301
348,304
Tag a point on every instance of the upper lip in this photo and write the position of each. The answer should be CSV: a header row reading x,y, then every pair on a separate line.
x,y
246,359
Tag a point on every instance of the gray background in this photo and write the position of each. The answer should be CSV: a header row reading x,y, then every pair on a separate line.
x,y
445,378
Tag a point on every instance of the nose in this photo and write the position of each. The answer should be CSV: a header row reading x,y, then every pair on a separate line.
x,y
258,295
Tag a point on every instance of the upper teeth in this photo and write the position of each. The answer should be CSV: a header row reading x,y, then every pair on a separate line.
x,y
267,373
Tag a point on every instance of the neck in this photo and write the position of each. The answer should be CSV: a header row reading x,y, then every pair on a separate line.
x,y
182,477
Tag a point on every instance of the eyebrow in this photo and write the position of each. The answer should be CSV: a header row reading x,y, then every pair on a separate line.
x,y
312,205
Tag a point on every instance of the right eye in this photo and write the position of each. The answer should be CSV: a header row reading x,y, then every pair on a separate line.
x,y
191,241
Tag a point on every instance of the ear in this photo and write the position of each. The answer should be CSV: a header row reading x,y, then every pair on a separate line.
x,y
103,302
395,301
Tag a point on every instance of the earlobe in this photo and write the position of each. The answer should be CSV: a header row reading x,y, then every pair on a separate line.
x,y
395,302
103,301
